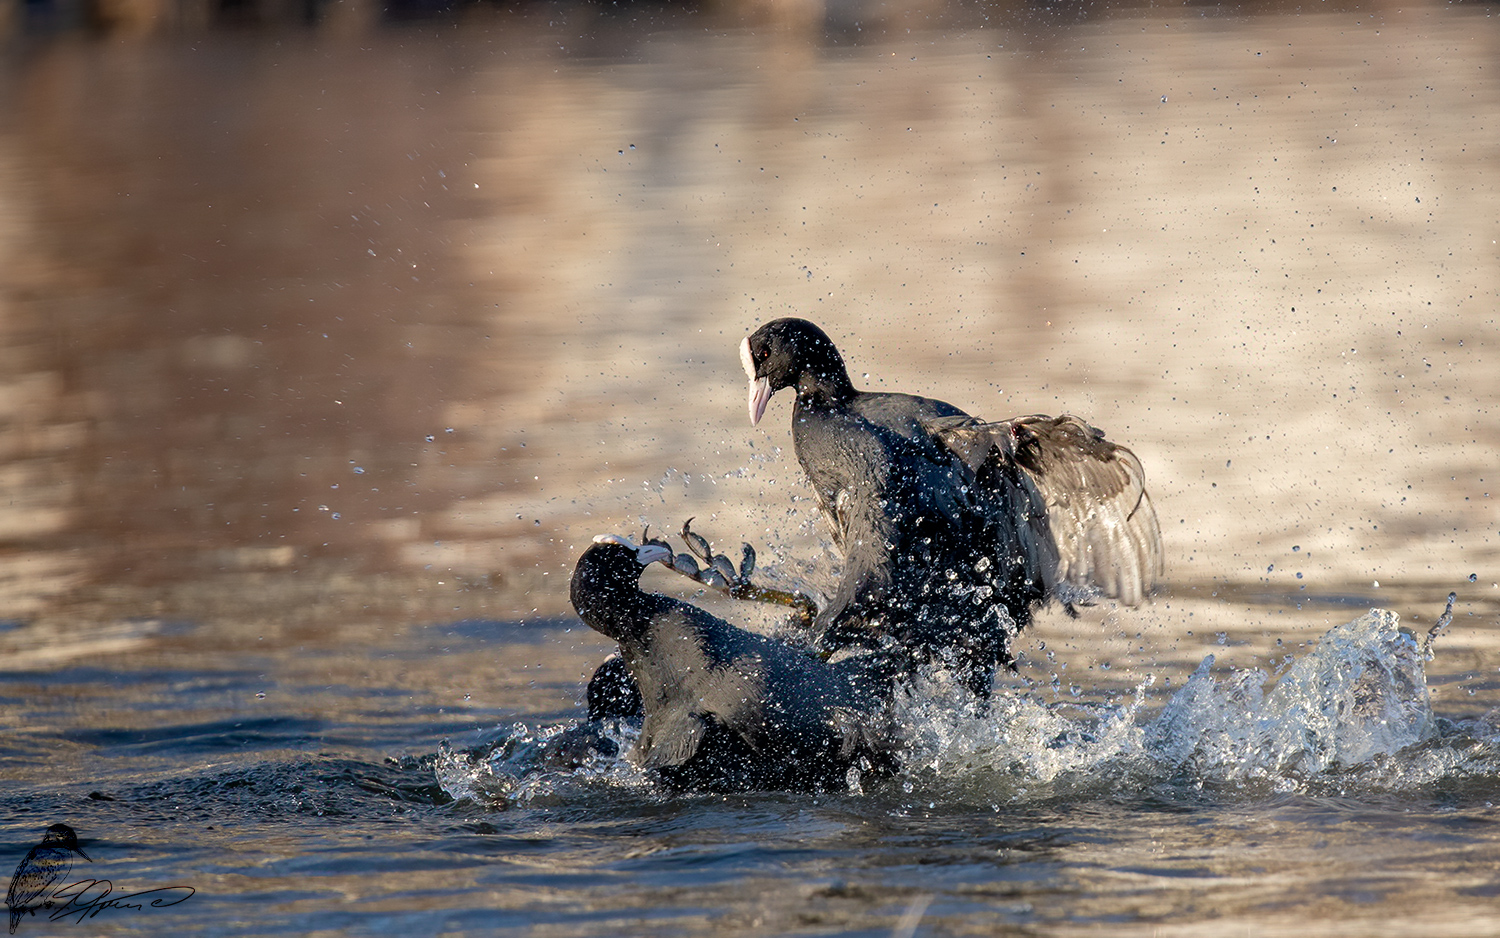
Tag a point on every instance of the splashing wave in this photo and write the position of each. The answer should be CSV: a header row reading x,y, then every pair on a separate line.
x,y
1355,712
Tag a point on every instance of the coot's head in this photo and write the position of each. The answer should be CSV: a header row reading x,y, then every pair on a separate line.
x,y
790,353
606,584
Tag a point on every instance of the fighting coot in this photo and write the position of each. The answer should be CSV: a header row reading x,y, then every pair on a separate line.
x,y
952,528
726,709
611,693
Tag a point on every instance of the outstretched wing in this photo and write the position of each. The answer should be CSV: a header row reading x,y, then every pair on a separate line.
x,y
1098,531
697,686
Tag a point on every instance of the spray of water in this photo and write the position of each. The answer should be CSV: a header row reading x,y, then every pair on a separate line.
x,y
1356,709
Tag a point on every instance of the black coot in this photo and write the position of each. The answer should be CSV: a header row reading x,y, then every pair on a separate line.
x,y
612,694
726,709
953,529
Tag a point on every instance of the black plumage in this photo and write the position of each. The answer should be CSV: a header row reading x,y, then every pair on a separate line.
x,y
952,529
727,709
611,693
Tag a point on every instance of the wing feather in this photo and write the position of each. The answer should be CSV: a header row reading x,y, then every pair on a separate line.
x,y
668,738
1097,530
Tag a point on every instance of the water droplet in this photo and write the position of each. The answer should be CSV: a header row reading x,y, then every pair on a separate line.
x,y
359,470
1473,578
1296,547
1299,576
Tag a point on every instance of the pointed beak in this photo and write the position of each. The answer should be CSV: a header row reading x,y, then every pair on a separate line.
x,y
760,388
645,554
79,851
760,395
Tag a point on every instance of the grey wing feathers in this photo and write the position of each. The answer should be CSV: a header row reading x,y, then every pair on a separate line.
x,y
668,739
969,438
1103,531
728,694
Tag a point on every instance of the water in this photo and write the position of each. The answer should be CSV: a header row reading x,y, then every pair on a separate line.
x,y
1044,814
325,351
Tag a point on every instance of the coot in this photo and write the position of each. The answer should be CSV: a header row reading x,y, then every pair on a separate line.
x,y
611,693
726,709
953,529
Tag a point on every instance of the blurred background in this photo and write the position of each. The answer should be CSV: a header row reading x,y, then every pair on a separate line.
x,y
314,309
332,331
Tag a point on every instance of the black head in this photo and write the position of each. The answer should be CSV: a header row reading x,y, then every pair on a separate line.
x,y
606,587
788,353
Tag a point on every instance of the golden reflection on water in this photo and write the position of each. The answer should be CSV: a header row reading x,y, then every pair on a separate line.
x,y
316,337
419,312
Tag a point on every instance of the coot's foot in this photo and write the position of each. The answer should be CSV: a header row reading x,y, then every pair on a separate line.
x,y
718,572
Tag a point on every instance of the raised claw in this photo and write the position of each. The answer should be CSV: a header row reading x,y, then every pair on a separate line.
x,y
646,538
722,566
718,573
697,543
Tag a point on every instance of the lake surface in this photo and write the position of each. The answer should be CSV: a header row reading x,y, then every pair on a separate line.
x,y
325,350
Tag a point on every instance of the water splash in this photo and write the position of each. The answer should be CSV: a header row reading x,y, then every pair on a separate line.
x,y
1360,693
1353,712
521,764
1357,705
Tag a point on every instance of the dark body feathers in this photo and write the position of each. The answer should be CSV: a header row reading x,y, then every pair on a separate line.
x,y
952,529
726,709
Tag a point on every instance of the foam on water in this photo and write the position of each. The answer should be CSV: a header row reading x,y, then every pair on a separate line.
x,y
1362,693
1356,709
521,764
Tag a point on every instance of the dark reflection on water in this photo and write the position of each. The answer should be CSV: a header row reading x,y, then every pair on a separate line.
x,y
323,351
253,373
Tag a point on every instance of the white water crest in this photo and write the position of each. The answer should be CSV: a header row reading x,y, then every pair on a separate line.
x,y
522,764
1361,693
1354,710
1357,705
